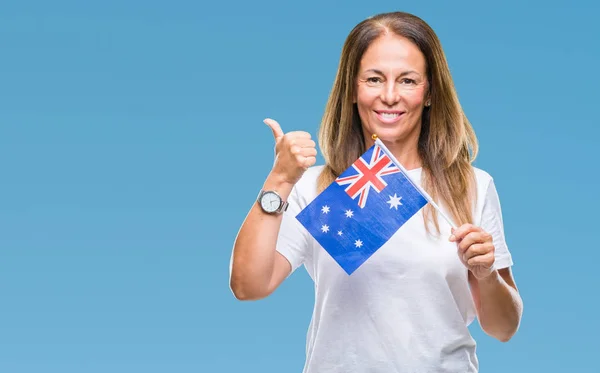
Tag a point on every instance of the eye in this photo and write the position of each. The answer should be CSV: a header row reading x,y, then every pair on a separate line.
x,y
408,81
374,80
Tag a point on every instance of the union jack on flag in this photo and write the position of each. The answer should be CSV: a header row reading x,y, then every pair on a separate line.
x,y
362,209
363,175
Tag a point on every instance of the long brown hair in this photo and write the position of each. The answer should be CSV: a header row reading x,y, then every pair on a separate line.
x,y
447,143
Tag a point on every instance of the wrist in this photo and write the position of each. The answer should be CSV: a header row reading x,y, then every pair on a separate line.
x,y
278,183
492,278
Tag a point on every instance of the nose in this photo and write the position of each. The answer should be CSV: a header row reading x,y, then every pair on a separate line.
x,y
390,94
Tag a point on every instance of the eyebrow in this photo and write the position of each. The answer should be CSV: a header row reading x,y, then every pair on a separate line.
x,y
404,73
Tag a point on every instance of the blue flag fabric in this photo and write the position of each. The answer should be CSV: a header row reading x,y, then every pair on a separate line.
x,y
362,209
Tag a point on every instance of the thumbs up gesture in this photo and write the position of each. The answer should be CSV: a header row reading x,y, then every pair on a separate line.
x,y
294,153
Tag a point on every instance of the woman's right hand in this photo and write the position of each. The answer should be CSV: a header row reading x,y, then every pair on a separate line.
x,y
294,153
257,268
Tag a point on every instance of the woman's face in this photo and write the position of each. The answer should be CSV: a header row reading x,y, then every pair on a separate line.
x,y
392,89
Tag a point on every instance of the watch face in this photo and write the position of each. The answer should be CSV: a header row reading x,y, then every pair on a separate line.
x,y
270,202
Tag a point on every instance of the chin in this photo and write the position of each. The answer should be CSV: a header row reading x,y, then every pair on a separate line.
x,y
386,134
393,133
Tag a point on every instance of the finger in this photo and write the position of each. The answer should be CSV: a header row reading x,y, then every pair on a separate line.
x,y
309,161
472,238
275,127
299,135
459,233
298,142
304,143
301,158
486,261
476,250
308,152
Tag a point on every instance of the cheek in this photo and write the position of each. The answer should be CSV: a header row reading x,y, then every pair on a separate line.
x,y
414,97
364,101
365,96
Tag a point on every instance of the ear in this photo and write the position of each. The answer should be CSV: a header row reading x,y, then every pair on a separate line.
x,y
428,98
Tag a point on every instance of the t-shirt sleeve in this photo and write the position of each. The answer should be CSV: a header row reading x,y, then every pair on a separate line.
x,y
491,222
293,238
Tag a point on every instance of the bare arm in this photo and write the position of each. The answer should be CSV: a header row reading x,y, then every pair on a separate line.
x,y
257,268
499,305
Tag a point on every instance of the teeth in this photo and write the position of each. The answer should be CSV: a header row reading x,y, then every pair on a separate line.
x,y
390,115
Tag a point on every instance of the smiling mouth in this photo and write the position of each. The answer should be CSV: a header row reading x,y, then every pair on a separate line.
x,y
389,116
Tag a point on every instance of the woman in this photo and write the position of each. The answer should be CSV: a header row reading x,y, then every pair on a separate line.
x,y
407,308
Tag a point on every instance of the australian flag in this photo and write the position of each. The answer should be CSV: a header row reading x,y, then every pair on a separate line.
x,y
362,209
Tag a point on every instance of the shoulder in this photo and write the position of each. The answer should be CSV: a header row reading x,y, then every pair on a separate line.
x,y
306,188
487,194
312,173
309,179
482,178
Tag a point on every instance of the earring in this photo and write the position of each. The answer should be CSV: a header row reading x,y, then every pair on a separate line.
x,y
428,103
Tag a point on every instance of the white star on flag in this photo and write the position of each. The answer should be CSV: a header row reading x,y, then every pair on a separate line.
x,y
363,208
395,201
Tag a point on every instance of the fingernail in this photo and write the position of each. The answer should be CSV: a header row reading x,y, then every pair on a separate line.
x,y
452,238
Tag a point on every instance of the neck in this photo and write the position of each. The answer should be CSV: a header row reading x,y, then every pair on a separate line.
x,y
406,154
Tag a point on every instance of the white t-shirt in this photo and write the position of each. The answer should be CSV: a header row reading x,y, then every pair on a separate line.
x,y
407,308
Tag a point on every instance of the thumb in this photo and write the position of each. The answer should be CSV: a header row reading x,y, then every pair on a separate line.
x,y
275,127
452,236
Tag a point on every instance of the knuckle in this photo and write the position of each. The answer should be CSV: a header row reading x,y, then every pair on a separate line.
x,y
470,237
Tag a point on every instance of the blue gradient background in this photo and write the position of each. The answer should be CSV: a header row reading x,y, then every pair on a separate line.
x,y
132,146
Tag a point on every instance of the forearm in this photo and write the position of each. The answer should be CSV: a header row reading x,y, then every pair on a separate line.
x,y
499,306
254,247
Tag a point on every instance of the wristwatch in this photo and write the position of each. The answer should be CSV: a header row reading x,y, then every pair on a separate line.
x,y
270,202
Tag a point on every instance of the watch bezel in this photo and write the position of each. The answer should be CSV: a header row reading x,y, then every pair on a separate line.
x,y
282,205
